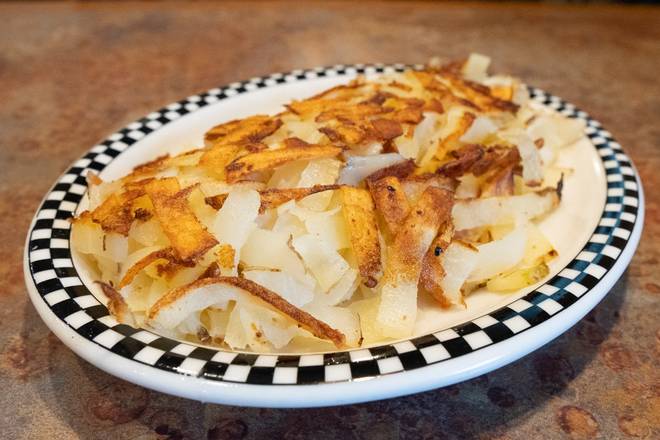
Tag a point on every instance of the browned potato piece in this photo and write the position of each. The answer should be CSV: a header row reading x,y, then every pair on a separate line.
x,y
188,236
360,216
269,159
248,130
418,232
216,158
116,304
274,197
166,254
318,328
391,201
432,270
116,214
398,299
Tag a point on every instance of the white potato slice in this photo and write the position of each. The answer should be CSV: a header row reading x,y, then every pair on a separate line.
x,y
236,220
270,249
423,137
287,175
458,261
476,67
498,256
87,237
468,214
481,128
330,229
555,130
397,310
195,300
292,290
321,259
115,247
148,233
357,168
342,291
323,171
367,310
217,321
340,318
529,155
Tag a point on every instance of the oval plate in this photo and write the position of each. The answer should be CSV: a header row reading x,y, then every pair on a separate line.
x,y
70,306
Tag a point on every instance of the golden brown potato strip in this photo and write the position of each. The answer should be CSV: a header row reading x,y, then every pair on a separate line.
x,y
417,232
249,130
390,200
161,254
318,328
480,95
274,197
269,159
432,270
216,158
152,166
293,142
400,170
187,235
465,158
351,113
386,129
360,216
116,213
344,135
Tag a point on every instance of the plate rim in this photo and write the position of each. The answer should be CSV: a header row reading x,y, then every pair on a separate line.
x,y
355,375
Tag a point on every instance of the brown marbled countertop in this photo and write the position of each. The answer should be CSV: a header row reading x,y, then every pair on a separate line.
x,y
72,73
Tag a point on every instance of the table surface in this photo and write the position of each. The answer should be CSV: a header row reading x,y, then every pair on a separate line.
x,y
73,73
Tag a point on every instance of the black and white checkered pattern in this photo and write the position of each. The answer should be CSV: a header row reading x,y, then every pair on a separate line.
x,y
70,300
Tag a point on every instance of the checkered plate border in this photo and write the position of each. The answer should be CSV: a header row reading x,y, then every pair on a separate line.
x,y
54,276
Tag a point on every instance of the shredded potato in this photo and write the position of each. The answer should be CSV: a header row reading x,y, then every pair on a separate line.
x,y
322,225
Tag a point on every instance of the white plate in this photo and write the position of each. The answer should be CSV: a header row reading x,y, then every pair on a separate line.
x,y
596,230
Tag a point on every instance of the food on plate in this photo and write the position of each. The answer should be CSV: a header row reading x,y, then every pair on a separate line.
x,y
322,226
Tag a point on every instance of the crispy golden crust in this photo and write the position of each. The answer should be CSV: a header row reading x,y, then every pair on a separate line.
x,y
399,170
416,234
161,254
432,271
116,304
116,213
152,166
390,200
360,216
269,159
243,131
187,235
294,142
465,158
225,256
480,95
318,328
274,197
216,158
